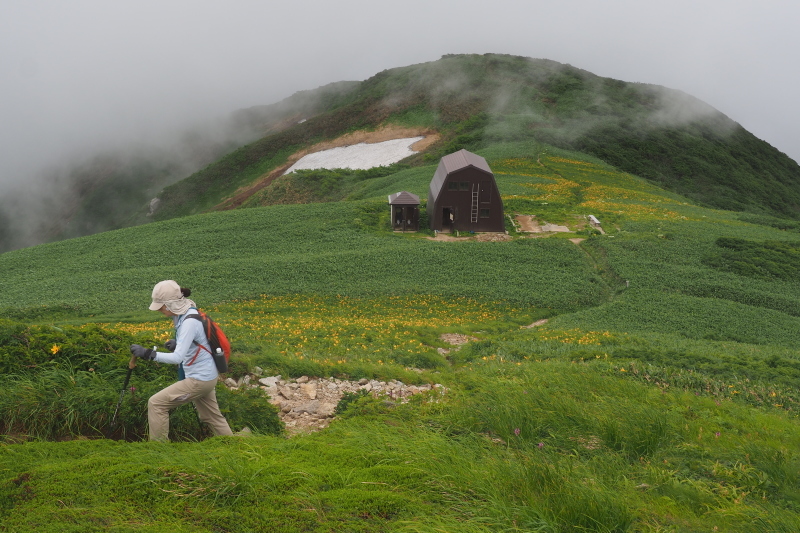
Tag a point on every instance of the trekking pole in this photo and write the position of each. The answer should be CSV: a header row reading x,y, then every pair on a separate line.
x,y
131,366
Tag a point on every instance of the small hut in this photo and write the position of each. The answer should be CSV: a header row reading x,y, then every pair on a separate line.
x,y
405,211
463,195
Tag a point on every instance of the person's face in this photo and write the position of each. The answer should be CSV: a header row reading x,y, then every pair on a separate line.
x,y
166,312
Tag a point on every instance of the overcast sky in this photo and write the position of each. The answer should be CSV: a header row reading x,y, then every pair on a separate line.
x,y
79,75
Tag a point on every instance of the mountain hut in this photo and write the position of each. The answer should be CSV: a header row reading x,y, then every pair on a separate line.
x,y
463,195
405,211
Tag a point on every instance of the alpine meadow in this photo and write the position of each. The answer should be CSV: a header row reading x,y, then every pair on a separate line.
x,y
636,375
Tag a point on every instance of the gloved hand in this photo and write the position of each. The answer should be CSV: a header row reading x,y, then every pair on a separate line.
x,y
171,345
140,351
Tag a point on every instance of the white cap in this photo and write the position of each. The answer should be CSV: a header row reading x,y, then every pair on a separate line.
x,y
169,293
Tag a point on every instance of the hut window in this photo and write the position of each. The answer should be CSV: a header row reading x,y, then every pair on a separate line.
x,y
464,185
484,213
452,186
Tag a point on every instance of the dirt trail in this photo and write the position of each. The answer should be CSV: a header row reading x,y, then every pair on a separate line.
x,y
528,224
385,133
481,237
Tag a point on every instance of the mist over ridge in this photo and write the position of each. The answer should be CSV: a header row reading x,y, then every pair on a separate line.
x,y
112,187
474,100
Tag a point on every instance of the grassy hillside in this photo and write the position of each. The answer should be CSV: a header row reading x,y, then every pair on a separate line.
x,y
475,101
659,395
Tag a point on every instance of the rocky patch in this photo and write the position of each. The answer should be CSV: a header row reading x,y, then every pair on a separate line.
x,y
456,339
308,404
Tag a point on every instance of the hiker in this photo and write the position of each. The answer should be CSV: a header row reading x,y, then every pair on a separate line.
x,y
191,350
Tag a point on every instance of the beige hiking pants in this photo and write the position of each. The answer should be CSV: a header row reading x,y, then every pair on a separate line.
x,y
204,396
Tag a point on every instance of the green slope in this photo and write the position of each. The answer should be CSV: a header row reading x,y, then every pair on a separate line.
x,y
316,249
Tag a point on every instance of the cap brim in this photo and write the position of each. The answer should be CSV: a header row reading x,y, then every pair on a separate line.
x,y
155,306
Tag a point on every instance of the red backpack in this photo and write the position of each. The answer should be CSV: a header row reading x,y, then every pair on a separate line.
x,y
220,345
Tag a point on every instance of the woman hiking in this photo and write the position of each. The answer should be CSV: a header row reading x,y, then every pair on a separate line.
x,y
191,350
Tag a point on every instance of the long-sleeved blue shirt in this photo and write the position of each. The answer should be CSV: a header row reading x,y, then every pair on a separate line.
x,y
189,336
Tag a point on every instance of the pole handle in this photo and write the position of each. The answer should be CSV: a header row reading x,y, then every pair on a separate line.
x,y
132,362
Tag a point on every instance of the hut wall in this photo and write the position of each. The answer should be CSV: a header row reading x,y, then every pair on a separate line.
x,y
453,208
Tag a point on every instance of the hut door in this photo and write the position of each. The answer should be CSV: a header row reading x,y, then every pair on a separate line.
x,y
407,212
412,218
486,192
398,216
448,216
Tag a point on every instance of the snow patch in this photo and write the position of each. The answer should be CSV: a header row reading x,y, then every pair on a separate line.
x,y
358,156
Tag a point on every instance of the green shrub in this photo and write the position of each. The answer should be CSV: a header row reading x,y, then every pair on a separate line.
x,y
359,404
249,407
425,360
349,398
472,351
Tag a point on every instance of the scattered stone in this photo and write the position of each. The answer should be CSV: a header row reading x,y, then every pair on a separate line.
x,y
456,339
326,409
286,392
309,389
556,228
307,407
541,322
302,379
270,381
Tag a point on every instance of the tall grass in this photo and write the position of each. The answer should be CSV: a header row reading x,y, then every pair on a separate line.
x,y
61,403
552,446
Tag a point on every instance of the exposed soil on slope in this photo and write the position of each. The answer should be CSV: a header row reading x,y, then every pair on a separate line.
x,y
385,133
481,237
528,223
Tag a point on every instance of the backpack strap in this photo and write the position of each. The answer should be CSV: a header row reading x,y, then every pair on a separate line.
x,y
200,347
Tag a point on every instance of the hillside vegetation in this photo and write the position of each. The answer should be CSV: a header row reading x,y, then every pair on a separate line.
x,y
475,101
642,379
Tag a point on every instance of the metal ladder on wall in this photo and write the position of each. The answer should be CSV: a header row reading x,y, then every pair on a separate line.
x,y
473,215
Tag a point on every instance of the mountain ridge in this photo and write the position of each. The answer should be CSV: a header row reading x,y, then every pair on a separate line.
x,y
471,101
664,135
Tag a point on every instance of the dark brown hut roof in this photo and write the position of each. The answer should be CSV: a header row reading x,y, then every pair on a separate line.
x,y
403,198
463,158
451,163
